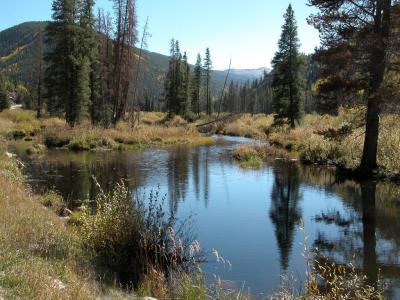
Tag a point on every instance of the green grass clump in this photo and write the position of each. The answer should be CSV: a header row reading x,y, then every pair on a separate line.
x,y
249,157
36,149
54,202
56,139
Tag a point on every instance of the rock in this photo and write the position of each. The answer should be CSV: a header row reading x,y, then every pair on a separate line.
x,y
57,284
10,155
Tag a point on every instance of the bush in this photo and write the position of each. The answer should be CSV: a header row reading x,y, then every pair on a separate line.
x,y
130,238
54,202
16,134
54,139
36,149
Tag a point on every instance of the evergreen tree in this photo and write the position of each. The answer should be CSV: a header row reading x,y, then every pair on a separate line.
x,y
196,85
90,40
185,88
286,65
72,78
59,76
4,102
207,68
359,47
83,92
174,80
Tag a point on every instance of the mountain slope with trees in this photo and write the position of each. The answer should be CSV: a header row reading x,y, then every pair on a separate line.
x,y
19,47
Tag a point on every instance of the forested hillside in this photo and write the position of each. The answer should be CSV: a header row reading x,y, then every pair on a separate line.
x,y
19,55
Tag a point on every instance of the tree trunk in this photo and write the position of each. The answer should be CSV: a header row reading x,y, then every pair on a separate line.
x,y
377,69
370,151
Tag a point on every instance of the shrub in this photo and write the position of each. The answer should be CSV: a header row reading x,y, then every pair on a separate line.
x,y
56,139
130,238
54,202
36,149
16,134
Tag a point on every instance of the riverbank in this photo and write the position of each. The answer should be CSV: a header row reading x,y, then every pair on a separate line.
x,y
44,255
322,140
153,130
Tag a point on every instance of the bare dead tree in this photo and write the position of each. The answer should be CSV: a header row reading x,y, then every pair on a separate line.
x,y
223,89
134,113
40,74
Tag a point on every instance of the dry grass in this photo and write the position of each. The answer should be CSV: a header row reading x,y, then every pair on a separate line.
x,y
154,130
37,253
308,142
328,280
252,126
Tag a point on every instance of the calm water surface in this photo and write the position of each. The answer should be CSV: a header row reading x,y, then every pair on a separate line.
x,y
252,217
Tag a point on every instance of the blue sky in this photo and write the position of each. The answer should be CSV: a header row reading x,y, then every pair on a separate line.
x,y
247,30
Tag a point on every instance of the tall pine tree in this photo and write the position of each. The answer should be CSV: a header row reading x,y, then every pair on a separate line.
x,y
196,85
207,68
185,88
60,76
71,81
4,102
173,82
359,49
288,102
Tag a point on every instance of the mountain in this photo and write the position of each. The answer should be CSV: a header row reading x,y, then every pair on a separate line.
x,y
249,74
19,56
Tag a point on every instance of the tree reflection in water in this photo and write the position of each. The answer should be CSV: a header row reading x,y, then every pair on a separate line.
x,y
285,212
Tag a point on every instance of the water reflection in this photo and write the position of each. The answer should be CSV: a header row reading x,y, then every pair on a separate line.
x,y
347,221
285,212
366,236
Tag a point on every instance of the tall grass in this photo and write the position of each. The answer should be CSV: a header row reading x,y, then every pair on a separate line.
x,y
328,280
133,239
38,255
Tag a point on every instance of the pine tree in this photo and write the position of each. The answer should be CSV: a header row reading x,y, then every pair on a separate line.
x,y
286,65
4,102
207,68
123,56
185,87
359,46
196,85
90,40
173,80
72,78
60,76
83,92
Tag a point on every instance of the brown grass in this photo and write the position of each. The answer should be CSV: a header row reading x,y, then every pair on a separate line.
x,y
37,254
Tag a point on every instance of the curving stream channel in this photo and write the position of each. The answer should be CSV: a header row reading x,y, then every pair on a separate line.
x,y
252,217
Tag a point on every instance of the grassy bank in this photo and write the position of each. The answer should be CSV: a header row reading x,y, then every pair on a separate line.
x,y
153,130
325,140
39,256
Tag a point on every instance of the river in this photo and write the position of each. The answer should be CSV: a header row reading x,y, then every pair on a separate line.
x,y
251,217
